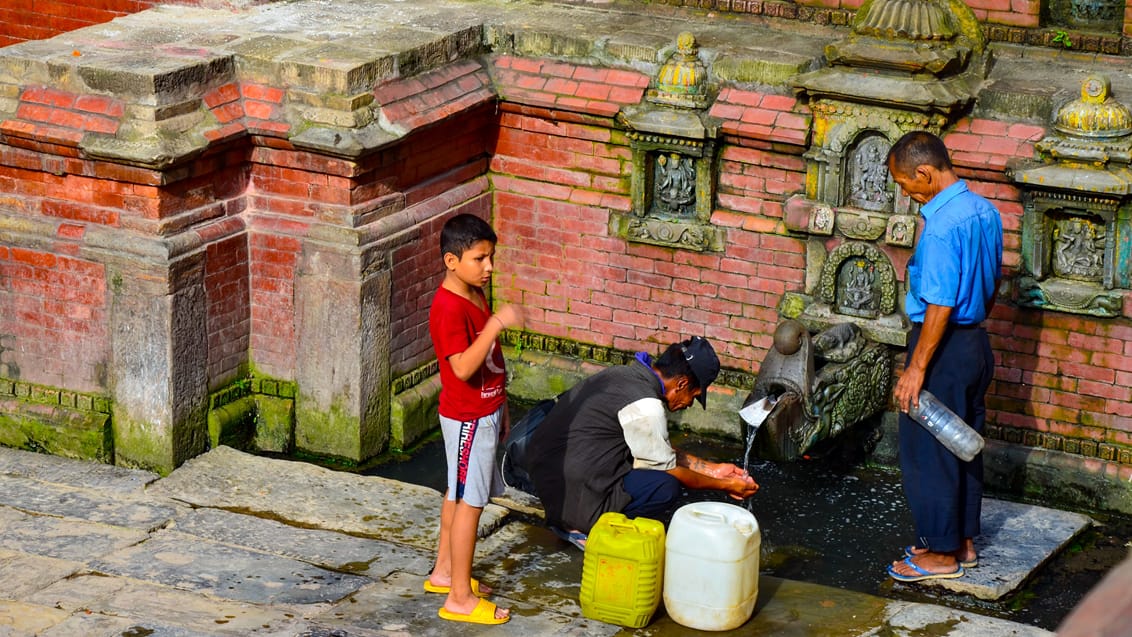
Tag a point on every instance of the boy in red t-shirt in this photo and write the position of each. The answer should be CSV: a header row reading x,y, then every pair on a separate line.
x,y
473,410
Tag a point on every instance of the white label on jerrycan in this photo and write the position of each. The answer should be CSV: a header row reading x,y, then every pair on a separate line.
x,y
711,566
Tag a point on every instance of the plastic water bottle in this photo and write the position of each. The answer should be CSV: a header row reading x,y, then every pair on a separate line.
x,y
948,428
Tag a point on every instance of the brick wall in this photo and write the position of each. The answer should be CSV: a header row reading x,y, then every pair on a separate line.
x,y
22,20
226,283
558,167
53,317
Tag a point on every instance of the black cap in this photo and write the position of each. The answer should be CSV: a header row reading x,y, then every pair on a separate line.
x,y
704,363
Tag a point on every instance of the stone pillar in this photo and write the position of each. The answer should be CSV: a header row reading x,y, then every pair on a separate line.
x,y
159,351
342,363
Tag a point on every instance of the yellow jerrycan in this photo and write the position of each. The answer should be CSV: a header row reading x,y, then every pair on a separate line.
x,y
623,570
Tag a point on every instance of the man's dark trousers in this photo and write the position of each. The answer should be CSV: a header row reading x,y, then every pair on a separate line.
x,y
944,493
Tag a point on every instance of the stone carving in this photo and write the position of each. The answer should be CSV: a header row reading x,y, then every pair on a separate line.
x,y
680,81
674,143
1078,249
1076,297
823,385
856,288
672,233
869,181
674,190
821,220
1077,203
858,280
901,230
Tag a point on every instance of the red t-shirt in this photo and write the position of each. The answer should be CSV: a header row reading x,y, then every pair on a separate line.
x,y
454,322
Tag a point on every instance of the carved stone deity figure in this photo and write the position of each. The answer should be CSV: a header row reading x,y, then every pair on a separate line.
x,y
675,185
868,184
856,288
1078,249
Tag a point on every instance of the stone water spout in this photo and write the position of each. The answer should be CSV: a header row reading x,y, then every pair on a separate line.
x,y
823,384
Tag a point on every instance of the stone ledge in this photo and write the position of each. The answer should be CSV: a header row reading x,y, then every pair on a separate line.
x,y
55,429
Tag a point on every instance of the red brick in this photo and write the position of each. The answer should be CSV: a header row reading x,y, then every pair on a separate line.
x,y
49,96
222,95
259,110
525,65
1027,132
622,78
262,93
778,102
103,125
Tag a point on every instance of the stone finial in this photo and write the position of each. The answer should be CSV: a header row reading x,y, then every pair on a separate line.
x,y
681,80
1095,114
906,19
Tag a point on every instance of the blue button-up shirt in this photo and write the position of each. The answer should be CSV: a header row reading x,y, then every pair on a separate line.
x,y
958,259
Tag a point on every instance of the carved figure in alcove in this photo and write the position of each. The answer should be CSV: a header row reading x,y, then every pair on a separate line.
x,y
857,290
675,189
1078,249
899,233
868,177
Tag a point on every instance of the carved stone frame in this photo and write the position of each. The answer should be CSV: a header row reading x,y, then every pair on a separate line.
x,y
643,225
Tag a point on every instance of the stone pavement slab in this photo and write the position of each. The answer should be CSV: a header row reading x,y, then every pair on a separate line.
x,y
18,619
307,495
88,475
21,575
1017,539
62,538
399,606
190,563
147,604
32,496
224,573
328,549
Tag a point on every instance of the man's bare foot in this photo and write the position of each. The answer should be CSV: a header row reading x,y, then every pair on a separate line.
x,y
927,561
965,555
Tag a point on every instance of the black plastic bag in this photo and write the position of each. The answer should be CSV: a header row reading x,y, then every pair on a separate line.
x,y
514,464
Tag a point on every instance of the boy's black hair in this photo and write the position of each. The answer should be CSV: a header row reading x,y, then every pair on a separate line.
x,y
918,148
462,232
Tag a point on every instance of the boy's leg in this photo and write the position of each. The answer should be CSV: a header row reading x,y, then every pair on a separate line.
x,y
442,570
462,541
473,480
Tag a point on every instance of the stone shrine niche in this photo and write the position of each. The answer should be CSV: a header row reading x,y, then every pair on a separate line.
x,y
906,65
869,185
673,144
1077,204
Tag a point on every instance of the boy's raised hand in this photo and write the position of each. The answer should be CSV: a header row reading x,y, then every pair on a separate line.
x,y
511,316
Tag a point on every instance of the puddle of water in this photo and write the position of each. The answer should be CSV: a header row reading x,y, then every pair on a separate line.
x,y
834,521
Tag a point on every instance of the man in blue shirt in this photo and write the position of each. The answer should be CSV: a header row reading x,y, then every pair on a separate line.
x,y
952,280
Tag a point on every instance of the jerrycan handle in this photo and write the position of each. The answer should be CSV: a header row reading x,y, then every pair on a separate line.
x,y
715,517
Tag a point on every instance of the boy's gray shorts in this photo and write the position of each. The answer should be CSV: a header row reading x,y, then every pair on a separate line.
x,y
473,473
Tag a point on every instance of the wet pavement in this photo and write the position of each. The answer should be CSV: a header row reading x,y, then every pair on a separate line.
x,y
236,544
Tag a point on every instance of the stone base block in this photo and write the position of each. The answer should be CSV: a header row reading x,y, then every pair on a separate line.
x,y
274,424
412,413
263,423
56,430
232,424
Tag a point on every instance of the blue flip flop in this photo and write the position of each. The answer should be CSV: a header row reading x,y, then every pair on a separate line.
x,y
921,574
577,538
909,552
